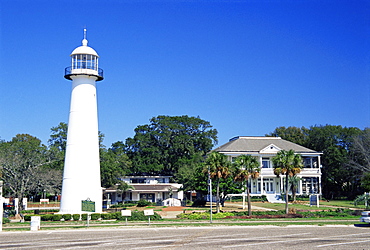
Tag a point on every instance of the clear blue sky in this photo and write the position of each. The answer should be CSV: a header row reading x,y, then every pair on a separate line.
x,y
247,67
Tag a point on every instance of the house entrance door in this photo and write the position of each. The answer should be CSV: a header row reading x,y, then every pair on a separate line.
x,y
268,185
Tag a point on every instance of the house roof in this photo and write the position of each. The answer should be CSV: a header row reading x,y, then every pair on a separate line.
x,y
261,144
153,187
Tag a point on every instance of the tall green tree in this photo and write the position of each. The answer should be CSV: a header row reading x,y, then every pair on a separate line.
x,y
188,174
293,134
289,164
25,164
57,144
335,142
114,163
217,166
162,145
360,151
247,167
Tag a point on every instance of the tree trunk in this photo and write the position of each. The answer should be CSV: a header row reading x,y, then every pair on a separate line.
x,y
249,200
286,194
218,196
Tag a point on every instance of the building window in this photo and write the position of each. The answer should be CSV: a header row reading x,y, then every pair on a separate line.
x,y
268,185
310,185
310,162
266,163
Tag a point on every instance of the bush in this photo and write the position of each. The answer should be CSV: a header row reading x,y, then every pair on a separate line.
x,y
26,217
83,216
6,220
143,203
95,216
106,216
76,216
67,216
203,216
116,215
139,216
57,217
117,205
27,212
47,217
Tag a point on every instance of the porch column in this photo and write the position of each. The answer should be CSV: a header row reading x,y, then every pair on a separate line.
x,y
261,187
281,184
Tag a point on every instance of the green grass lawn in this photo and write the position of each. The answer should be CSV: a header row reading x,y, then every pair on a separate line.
x,y
322,206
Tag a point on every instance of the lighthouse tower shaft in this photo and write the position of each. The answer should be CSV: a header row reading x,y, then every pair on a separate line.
x,y
81,177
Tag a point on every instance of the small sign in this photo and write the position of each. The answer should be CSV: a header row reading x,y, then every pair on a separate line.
x,y
126,212
88,206
35,223
149,212
314,200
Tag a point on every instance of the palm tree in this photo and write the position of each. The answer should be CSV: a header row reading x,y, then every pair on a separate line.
x,y
293,182
289,164
122,188
247,166
218,167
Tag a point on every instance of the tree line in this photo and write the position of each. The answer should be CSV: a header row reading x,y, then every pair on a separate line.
x,y
178,146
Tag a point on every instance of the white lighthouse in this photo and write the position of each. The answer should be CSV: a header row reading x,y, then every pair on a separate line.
x,y
81,177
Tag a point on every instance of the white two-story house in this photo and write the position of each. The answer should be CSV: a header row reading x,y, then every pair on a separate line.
x,y
264,148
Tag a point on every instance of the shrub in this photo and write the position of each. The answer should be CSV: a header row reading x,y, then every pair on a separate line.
x,y
67,216
106,216
76,216
143,203
202,216
6,220
83,216
95,216
139,216
47,217
26,217
118,205
129,205
115,215
27,211
57,217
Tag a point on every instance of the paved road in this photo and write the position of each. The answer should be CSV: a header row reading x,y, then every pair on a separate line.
x,y
210,237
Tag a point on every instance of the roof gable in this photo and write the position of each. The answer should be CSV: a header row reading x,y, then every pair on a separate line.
x,y
270,149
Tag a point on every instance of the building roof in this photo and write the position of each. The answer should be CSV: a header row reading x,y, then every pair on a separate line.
x,y
260,144
153,187
84,49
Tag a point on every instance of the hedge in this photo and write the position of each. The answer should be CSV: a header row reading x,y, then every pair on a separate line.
x,y
67,216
